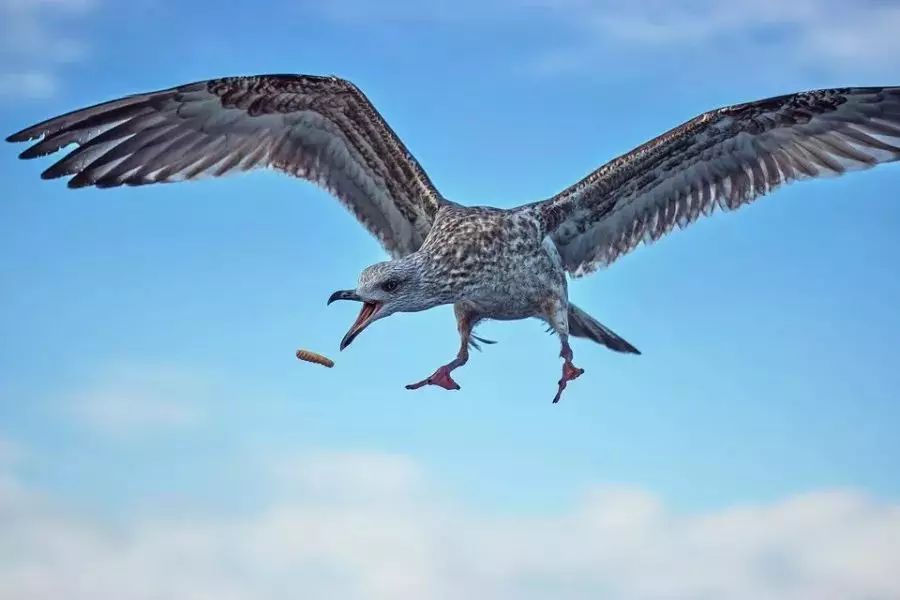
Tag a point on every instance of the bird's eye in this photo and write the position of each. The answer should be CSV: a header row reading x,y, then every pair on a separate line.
x,y
390,285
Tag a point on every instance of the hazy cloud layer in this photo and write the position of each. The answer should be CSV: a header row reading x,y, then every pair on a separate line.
x,y
726,39
830,36
827,35
372,526
35,39
130,400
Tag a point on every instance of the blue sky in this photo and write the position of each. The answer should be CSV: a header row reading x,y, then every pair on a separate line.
x,y
148,378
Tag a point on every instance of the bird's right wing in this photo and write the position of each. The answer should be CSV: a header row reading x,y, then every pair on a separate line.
x,y
322,129
724,158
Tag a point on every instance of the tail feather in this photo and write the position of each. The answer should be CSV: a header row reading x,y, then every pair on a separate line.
x,y
584,325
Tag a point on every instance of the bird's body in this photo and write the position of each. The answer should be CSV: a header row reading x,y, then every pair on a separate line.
x,y
498,262
490,263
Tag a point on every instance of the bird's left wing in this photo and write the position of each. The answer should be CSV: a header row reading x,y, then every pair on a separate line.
x,y
723,158
322,129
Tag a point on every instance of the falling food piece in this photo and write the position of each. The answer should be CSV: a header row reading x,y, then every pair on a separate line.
x,y
314,357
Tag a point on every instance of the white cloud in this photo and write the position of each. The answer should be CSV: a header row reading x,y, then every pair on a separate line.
x,y
459,11
28,84
832,36
10,454
127,400
827,33
372,526
34,41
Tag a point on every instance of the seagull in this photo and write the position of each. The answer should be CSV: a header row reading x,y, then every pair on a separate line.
x,y
489,263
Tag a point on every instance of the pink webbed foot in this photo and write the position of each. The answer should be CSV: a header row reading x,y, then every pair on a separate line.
x,y
441,378
569,372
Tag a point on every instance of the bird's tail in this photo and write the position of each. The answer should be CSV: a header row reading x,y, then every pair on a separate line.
x,y
584,325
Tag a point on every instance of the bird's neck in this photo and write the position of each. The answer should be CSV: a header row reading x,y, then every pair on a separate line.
x,y
436,280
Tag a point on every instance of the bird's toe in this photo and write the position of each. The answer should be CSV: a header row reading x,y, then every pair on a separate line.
x,y
440,378
569,372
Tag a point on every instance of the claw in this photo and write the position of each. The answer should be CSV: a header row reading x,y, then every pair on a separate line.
x,y
440,378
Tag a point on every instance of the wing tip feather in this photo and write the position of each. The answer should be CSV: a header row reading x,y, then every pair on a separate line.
x,y
76,183
51,173
26,135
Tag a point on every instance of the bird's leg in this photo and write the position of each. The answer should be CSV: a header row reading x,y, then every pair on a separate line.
x,y
465,321
558,317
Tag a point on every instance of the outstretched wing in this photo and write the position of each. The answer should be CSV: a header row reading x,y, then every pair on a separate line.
x,y
322,129
724,158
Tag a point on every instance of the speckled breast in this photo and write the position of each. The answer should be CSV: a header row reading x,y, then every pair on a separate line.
x,y
494,259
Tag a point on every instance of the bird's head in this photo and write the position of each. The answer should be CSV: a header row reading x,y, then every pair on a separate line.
x,y
385,288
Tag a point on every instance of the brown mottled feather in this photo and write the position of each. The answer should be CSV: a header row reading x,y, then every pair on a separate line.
x,y
724,158
322,129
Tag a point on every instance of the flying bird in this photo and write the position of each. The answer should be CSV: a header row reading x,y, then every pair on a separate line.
x,y
489,263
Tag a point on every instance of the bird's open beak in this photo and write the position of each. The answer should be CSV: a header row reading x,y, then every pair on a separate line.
x,y
366,314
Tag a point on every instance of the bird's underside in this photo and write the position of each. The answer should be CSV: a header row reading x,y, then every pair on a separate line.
x,y
489,263
500,264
